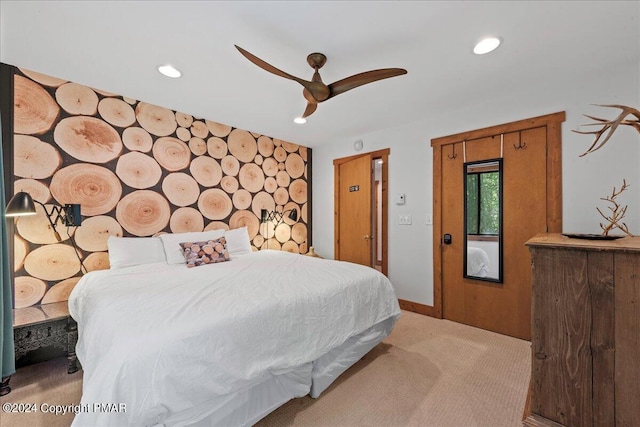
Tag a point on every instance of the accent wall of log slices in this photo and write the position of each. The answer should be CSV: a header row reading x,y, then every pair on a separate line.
x,y
138,170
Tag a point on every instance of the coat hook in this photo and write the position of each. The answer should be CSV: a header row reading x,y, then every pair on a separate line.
x,y
520,145
451,157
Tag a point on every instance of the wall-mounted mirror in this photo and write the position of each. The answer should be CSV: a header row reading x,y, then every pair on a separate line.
x,y
483,220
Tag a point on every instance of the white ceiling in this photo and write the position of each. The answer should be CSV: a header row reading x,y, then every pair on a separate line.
x,y
116,46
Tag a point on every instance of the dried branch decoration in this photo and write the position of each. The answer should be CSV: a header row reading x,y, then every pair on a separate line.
x,y
616,212
610,126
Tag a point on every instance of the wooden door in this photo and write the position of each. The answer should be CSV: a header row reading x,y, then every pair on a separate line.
x,y
531,205
354,215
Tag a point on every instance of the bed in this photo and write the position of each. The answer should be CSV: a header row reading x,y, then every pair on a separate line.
x,y
223,343
477,262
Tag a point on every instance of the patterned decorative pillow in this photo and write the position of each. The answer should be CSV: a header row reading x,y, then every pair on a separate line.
x,y
206,252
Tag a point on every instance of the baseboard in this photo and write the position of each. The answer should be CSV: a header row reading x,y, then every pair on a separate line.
x,y
416,307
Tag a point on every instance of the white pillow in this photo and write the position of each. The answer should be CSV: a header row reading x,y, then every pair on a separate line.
x,y
130,251
171,243
238,242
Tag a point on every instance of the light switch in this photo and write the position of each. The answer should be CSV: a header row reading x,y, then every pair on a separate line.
x,y
400,199
404,220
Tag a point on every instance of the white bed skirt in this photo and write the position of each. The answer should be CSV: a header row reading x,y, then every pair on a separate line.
x,y
247,407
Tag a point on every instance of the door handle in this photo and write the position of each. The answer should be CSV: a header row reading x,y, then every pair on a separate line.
x,y
367,237
446,239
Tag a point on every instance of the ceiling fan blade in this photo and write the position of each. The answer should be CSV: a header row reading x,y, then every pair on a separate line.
x,y
356,80
270,68
311,107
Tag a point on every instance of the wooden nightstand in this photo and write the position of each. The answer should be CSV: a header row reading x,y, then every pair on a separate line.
x,y
48,325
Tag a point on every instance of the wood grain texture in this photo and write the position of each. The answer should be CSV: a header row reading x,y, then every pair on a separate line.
x,y
244,218
60,291
627,338
215,204
242,145
143,212
34,110
171,153
34,158
94,187
52,262
199,129
592,378
197,146
137,139
88,139
602,343
217,147
251,177
180,189
20,249
28,291
38,190
37,229
562,330
542,133
138,170
156,120
218,129
116,112
92,236
105,151
77,99
186,219
230,184
206,171
183,119
96,261
43,79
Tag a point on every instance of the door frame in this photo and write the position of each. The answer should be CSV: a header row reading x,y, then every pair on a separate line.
x,y
378,154
552,122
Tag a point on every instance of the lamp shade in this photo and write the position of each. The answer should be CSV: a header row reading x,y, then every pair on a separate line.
x,y
20,204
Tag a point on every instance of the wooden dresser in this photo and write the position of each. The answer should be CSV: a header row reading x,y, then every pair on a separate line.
x,y
585,332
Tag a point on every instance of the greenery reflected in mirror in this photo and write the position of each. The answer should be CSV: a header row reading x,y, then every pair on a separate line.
x,y
483,220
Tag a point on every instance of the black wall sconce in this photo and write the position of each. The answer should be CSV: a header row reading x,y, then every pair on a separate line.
x,y
22,204
277,218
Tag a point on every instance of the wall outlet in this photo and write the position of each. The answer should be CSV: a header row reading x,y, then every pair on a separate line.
x,y
404,220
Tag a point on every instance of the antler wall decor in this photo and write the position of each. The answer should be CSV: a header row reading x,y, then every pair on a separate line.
x,y
610,126
617,212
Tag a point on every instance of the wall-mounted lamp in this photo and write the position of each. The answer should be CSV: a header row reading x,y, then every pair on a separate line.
x,y
277,218
22,204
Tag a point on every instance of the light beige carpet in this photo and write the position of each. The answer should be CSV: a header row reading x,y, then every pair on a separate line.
x,y
428,372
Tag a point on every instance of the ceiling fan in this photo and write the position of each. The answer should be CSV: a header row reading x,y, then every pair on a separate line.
x,y
315,91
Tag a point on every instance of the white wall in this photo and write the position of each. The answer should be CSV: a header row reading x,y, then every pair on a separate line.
x,y
585,180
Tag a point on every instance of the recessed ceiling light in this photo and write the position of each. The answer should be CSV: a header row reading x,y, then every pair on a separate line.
x,y
169,71
487,45
300,120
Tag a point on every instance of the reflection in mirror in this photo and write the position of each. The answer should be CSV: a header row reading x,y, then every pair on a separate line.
x,y
483,220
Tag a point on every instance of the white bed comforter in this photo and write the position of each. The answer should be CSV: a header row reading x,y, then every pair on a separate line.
x,y
166,339
477,262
